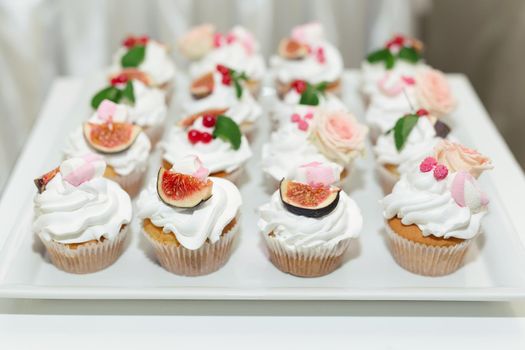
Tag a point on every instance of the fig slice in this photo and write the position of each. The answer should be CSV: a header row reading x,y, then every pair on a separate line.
x,y
202,86
111,137
182,190
292,49
305,200
43,180
189,120
133,74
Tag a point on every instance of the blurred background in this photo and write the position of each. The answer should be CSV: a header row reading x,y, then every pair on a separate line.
x,y
43,39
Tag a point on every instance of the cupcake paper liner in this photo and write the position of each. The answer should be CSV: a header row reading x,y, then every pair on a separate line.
x,y
131,183
205,260
387,180
86,258
306,262
423,259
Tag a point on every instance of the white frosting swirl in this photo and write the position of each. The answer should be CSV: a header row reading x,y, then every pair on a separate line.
x,y
372,73
192,227
309,68
245,109
295,231
157,64
418,198
149,108
68,214
419,144
233,55
124,163
287,149
218,155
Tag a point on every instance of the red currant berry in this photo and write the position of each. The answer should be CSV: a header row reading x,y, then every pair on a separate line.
x,y
422,112
194,136
119,79
206,137
226,79
208,120
129,42
223,69
143,40
299,86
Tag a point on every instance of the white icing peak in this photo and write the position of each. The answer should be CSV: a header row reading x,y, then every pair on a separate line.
x,y
297,232
79,205
192,227
427,200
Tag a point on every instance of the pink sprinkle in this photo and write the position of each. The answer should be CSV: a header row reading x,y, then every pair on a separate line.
x,y
422,112
309,115
320,55
303,126
427,164
296,118
440,172
217,40
408,80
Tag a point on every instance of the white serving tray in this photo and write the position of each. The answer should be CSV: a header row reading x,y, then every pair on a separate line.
x,y
494,268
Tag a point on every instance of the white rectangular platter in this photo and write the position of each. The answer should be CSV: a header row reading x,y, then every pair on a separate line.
x,y
494,268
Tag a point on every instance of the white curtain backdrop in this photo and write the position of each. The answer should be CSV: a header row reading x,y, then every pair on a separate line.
x,y
41,39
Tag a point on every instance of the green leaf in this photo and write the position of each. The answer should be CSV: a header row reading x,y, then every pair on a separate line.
x,y
402,129
228,130
134,56
378,56
110,93
309,96
408,54
128,93
321,87
238,88
390,61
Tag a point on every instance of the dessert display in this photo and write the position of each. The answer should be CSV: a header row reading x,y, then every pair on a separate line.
x,y
432,216
146,60
309,223
400,149
307,56
217,141
124,146
223,91
426,88
81,217
190,219
146,105
236,49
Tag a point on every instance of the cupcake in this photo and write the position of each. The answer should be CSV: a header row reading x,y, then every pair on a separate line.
x,y
400,56
338,136
306,55
308,223
190,219
124,146
146,105
223,91
289,147
412,138
216,140
426,88
432,216
146,60
305,97
81,217
236,49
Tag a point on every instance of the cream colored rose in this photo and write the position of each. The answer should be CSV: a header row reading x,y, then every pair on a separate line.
x,y
197,42
338,135
433,92
457,157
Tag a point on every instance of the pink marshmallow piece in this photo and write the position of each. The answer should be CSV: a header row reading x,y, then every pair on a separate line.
x,y
106,110
318,174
